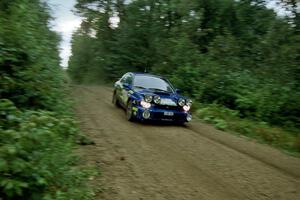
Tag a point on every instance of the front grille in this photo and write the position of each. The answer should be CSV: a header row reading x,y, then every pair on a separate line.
x,y
176,108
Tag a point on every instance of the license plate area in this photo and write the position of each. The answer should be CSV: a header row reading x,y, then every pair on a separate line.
x,y
168,113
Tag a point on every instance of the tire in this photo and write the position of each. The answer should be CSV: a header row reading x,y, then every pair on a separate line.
x,y
183,124
115,100
129,113
180,123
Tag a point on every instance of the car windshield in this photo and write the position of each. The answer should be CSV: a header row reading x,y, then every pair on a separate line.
x,y
152,82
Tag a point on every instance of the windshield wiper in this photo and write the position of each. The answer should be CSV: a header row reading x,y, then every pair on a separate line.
x,y
140,87
157,89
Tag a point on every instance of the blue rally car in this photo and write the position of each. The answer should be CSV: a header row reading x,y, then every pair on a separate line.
x,y
149,97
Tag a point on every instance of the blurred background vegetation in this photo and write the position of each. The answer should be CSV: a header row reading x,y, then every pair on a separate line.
x,y
37,130
233,56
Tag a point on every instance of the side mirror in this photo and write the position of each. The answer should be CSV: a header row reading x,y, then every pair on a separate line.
x,y
126,85
178,91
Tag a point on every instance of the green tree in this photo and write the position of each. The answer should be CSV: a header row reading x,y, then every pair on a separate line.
x,y
37,131
236,53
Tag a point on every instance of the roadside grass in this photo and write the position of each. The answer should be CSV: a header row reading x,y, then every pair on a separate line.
x,y
286,139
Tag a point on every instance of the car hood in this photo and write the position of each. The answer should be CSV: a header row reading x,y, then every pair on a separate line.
x,y
169,95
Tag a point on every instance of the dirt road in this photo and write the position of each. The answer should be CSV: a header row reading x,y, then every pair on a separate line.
x,y
151,162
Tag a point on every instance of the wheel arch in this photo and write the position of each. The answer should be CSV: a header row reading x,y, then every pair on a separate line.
x,y
133,97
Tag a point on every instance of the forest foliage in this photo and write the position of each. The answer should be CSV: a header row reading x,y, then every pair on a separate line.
x,y
37,130
237,54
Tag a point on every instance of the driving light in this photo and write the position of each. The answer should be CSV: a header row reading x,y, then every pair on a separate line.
x,y
186,108
148,98
145,104
189,102
146,114
156,99
181,102
188,118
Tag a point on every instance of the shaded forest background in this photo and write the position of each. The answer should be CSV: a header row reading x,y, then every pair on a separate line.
x,y
237,54
238,60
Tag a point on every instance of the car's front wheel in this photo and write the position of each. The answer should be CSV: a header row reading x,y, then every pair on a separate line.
x,y
115,100
129,113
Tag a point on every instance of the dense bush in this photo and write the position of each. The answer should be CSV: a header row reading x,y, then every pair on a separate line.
x,y
37,132
230,120
35,155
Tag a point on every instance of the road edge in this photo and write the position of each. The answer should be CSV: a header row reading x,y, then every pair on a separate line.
x,y
261,152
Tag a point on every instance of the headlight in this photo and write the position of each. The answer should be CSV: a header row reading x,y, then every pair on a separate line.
x,y
156,99
186,108
181,102
189,102
148,98
145,104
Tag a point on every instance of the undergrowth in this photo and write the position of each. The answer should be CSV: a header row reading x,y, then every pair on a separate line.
x,y
286,138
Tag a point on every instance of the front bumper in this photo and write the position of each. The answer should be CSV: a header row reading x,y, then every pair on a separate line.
x,y
161,114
